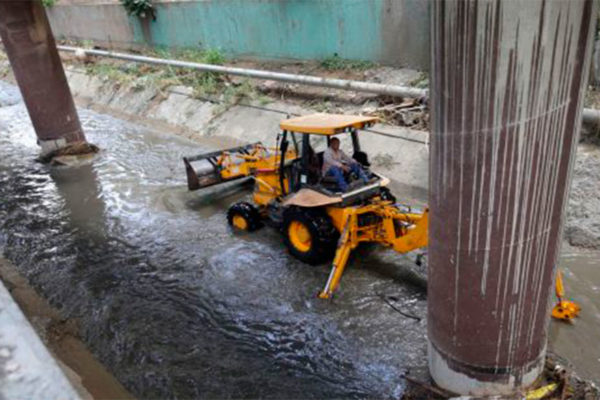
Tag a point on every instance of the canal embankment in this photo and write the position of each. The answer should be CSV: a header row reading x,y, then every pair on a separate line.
x,y
68,370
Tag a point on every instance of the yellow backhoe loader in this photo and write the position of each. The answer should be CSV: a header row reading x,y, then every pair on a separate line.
x,y
318,220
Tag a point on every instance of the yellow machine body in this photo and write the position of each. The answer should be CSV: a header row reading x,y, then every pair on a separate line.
x,y
263,165
372,219
369,219
383,223
267,185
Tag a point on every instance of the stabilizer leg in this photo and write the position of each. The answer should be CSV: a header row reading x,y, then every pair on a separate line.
x,y
345,246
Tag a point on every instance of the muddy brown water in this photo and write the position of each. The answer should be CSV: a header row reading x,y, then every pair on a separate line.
x,y
579,342
176,305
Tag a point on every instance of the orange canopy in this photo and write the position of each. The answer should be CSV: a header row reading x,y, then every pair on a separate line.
x,y
326,124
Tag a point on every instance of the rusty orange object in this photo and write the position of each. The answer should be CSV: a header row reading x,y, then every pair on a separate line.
x,y
565,310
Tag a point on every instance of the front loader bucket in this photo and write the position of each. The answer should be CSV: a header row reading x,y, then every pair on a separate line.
x,y
204,170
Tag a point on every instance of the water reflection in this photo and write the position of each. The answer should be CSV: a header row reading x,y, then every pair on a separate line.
x,y
79,189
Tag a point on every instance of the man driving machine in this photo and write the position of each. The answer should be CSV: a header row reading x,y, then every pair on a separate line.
x,y
336,163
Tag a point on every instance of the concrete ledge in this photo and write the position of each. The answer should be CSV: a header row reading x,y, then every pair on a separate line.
x,y
27,370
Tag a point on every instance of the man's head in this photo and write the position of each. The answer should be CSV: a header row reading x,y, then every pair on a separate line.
x,y
334,143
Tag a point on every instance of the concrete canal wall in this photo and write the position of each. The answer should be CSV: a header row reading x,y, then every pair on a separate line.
x,y
27,369
394,32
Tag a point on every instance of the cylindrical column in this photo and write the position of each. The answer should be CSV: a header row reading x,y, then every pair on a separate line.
x,y
32,52
508,82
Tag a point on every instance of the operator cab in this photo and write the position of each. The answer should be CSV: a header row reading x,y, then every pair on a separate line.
x,y
311,136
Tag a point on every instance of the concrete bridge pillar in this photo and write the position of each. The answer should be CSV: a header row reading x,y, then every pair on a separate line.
x,y
508,83
37,67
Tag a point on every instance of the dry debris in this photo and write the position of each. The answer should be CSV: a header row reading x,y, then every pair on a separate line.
x,y
412,113
557,382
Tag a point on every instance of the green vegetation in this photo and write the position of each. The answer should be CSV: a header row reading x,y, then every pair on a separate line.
x,y
208,56
48,3
233,94
204,84
336,63
4,67
421,82
139,8
87,44
203,56
119,74
321,106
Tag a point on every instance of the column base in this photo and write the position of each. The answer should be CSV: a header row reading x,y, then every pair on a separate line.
x,y
464,379
49,146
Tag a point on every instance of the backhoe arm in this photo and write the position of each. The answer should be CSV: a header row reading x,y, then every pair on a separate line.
x,y
404,232
346,244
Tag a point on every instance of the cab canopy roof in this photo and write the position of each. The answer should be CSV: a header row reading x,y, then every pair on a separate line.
x,y
326,124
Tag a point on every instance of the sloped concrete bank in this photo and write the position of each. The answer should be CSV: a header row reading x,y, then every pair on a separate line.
x,y
54,364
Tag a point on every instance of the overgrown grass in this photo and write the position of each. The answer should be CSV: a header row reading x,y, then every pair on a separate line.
x,y
87,44
336,63
233,94
203,84
4,70
203,56
48,3
120,74
421,82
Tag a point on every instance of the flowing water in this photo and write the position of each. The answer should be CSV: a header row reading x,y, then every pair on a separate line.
x,y
171,300
177,305
579,341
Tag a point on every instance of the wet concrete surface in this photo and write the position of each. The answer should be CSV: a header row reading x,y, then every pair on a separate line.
x,y
171,300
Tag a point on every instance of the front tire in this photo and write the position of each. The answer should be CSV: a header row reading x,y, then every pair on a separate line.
x,y
309,235
244,217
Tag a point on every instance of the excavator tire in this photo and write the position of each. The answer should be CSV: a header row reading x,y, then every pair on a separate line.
x,y
244,216
309,234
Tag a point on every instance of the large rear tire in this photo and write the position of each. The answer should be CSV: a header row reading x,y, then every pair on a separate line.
x,y
244,216
309,234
